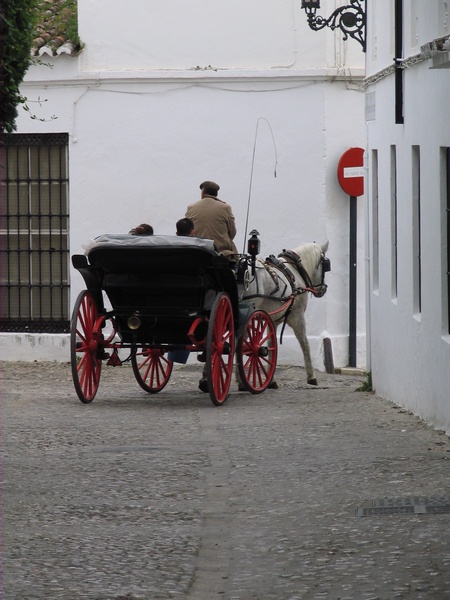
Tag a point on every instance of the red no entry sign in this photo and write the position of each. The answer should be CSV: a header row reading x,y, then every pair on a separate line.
x,y
350,171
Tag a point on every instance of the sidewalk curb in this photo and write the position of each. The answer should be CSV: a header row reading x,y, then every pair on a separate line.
x,y
350,371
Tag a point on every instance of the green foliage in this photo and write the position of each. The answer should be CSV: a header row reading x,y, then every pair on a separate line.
x,y
17,26
19,20
66,22
367,385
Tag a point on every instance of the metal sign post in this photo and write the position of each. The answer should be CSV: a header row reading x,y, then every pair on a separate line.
x,y
350,174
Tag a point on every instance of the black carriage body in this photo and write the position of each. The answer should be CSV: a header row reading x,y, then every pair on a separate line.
x,y
166,294
167,282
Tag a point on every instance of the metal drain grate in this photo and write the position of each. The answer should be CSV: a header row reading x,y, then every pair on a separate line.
x,y
418,505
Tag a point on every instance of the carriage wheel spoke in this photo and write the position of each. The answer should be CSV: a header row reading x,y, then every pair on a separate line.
x,y
151,369
257,352
220,349
86,344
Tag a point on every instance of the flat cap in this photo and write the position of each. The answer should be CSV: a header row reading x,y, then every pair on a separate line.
x,y
209,185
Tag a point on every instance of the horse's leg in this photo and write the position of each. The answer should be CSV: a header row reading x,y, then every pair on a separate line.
x,y
297,322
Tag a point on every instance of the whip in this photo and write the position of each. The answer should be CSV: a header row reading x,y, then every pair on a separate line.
x,y
253,164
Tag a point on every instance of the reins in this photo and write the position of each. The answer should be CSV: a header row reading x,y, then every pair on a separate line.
x,y
290,304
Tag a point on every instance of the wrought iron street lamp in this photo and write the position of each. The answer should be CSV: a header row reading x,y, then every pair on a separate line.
x,y
350,19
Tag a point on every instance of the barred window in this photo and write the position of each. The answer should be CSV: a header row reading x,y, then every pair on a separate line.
x,y
416,230
446,171
394,223
34,227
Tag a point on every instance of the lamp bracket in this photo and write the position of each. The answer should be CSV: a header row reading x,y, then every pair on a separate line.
x,y
350,19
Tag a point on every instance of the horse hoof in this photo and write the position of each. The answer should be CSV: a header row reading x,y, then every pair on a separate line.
x,y
312,381
273,385
203,385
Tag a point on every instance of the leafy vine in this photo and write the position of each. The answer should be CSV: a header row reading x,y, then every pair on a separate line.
x,y
17,26
20,22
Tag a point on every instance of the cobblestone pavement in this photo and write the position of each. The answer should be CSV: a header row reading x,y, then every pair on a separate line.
x,y
148,497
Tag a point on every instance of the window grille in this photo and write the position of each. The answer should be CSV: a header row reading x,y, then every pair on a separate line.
x,y
394,223
375,223
398,7
417,231
447,192
34,240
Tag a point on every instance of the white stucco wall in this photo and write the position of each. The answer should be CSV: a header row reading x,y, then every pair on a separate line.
x,y
410,348
179,35
146,128
256,34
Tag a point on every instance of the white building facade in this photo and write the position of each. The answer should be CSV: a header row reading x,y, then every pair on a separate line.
x,y
408,127
166,95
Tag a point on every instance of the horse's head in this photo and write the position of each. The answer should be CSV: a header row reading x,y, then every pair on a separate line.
x,y
316,264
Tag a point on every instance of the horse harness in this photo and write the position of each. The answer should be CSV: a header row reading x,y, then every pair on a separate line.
x,y
271,264
294,260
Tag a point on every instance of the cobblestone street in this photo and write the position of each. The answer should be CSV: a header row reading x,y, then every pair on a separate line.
x,y
150,497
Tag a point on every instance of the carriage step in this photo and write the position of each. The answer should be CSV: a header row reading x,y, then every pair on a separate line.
x,y
114,360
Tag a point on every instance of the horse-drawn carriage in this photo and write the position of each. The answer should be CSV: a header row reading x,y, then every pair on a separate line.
x,y
168,296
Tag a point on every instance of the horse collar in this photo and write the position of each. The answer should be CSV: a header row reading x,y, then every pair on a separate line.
x,y
294,259
271,260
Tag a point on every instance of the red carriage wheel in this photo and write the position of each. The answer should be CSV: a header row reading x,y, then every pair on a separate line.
x,y
86,347
257,352
151,369
220,344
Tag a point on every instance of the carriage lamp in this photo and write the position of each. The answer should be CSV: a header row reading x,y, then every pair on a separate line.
x,y
350,19
134,322
310,5
253,247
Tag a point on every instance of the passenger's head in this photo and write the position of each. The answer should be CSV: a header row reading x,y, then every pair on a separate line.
x,y
209,188
185,227
142,229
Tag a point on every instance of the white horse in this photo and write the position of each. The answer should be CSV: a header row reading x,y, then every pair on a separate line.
x,y
281,287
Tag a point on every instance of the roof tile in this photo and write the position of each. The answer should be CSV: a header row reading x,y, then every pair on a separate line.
x,y
56,28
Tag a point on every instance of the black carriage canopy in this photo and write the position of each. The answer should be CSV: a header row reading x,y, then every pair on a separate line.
x,y
177,257
129,253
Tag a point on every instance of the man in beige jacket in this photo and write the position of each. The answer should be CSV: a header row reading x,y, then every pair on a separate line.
x,y
213,219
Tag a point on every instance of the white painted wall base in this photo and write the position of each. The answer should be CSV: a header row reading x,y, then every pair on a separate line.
x,y
289,352
56,347
29,347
